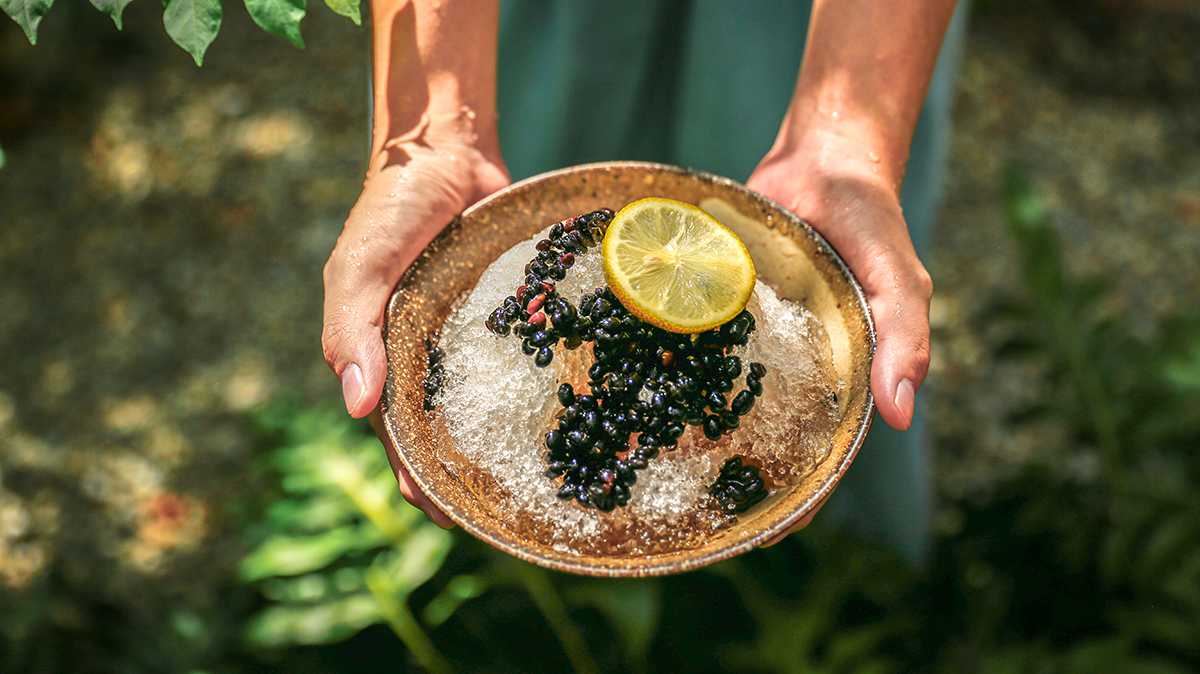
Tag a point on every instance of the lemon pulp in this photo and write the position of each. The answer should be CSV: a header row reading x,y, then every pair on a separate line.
x,y
675,266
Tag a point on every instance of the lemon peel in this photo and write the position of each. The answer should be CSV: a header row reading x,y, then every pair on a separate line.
x,y
675,266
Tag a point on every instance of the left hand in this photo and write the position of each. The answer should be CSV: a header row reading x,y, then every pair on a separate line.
x,y
828,181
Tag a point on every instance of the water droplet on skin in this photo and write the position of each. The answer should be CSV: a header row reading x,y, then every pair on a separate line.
x,y
453,158
835,114
873,157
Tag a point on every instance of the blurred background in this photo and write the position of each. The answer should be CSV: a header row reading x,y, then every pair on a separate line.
x,y
180,492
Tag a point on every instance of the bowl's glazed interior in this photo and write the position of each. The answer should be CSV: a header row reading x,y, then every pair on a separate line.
x,y
788,255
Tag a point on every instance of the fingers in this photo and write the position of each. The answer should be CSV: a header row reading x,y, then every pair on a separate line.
x,y
862,220
358,280
408,487
351,340
901,312
868,230
387,229
803,522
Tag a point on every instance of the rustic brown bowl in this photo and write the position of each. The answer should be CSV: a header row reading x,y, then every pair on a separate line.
x,y
788,254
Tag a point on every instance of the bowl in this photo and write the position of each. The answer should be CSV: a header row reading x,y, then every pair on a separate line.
x,y
789,255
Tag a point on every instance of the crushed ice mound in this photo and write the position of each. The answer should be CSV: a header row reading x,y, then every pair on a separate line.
x,y
498,406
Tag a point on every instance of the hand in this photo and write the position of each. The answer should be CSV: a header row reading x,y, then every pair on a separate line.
x,y
829,182
859,214
419,186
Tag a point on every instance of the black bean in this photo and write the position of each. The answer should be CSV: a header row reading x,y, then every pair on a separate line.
x,y
754,385
742,402
712,428
716,401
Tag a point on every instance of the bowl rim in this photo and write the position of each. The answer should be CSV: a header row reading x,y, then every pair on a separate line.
x,y
666,566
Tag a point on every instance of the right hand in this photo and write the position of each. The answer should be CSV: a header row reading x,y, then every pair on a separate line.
x,y
412,192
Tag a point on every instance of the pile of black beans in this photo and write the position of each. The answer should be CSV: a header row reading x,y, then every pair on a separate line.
x,y
536,313
435,374
644,380
738,487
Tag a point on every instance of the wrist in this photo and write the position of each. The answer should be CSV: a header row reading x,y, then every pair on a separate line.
x,y
434,66
440,133
830,138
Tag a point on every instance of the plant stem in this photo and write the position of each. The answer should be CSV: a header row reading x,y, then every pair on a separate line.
x,y
1069,336
395,611
366,496
537,582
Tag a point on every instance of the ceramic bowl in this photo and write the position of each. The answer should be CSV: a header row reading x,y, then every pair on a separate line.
x,y
788,254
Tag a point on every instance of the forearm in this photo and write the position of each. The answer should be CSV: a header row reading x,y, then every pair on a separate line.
x,y
434,67
866,69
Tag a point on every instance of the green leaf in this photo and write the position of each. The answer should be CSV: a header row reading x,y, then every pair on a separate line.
x,y
322,623
346,8
193,24
112,8
28,14
852,649
633,608
279,17
459,590
420,557
289,556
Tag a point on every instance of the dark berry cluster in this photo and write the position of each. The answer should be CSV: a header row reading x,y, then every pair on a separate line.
x,y
435,374
536,313
645,381
648,382
739,487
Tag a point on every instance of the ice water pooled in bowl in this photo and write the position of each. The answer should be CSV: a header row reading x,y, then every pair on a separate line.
x,y
502,406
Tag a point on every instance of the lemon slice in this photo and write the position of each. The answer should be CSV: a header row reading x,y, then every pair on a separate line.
x,y
675,266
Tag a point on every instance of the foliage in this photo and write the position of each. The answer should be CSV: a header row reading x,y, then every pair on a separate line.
x,y
343,552
193,24
1089,560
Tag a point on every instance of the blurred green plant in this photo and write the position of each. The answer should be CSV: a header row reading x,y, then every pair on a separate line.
x,y
812,633
193,24
1090,559
344,551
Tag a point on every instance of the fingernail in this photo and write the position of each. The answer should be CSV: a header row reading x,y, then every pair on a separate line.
x,y
906,394
352,386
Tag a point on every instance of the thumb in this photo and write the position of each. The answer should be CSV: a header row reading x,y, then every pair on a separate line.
x,y
352,338
387,229
901,313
